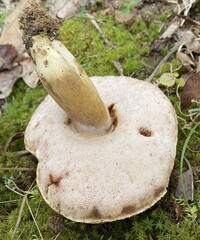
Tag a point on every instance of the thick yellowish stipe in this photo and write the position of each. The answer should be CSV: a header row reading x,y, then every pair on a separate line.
x,y
68,84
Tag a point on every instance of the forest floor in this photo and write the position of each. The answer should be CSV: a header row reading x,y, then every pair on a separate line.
x,y
130,38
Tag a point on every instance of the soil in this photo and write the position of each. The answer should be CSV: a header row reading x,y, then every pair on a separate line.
x,y
36,20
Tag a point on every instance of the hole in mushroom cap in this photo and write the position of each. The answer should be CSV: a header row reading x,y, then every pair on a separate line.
x,y
113,116
145,132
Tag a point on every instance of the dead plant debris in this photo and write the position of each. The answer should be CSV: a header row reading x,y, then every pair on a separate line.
x,y
191,91
8,54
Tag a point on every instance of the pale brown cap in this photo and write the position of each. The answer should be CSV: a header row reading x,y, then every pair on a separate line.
x,y
111,177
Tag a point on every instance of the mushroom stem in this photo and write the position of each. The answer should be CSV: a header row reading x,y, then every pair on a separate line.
x,y
62,75
68,84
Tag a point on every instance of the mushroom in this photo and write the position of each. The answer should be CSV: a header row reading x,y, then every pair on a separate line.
x,y
104,154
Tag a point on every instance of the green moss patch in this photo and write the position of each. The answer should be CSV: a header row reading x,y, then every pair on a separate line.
x,y
130,45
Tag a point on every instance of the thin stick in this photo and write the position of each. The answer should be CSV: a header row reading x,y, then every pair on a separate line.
x,y
13,138
19,217
169,54
21,208
17,169
22,195
118,67
34,219
96,25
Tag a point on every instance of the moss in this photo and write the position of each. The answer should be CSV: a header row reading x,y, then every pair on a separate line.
x,y
19,107
170,66
3,15
129,46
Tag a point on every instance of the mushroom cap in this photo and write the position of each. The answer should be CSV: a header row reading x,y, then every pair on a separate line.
x,y
110,177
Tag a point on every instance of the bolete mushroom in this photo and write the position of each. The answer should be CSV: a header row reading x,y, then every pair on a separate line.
x,y
103,156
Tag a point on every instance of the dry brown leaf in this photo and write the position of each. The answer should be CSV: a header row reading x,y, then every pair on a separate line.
x,y
66,9
9,4
188,184
193,46
191,90
11,33
12,36
8,54
189,39
69,10
8,79
185,59
175,24
185,35
28,73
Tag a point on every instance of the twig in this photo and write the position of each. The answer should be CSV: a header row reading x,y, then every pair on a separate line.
x,y
21,209
170,53
13,138
17,169
96,25
19,217
34,219
22,195
118,67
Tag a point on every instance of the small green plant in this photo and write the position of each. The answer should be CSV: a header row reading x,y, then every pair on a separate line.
x,y
3,15
190,209
127,6
170,79
46,6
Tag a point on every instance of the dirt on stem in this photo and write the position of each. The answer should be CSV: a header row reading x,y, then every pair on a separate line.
x,y
36,20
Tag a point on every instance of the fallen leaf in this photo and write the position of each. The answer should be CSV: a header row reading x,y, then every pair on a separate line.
x,y
185,35
191,90
172,28
167,79
188,183
189,39
8,79
23,65
9,4
185,60
8,54
66,9
11,33
28,73
193,46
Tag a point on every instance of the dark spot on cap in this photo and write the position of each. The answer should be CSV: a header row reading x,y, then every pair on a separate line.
x,y
55,181
158,191
95,213
145,132
129,209
45,63
113,116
